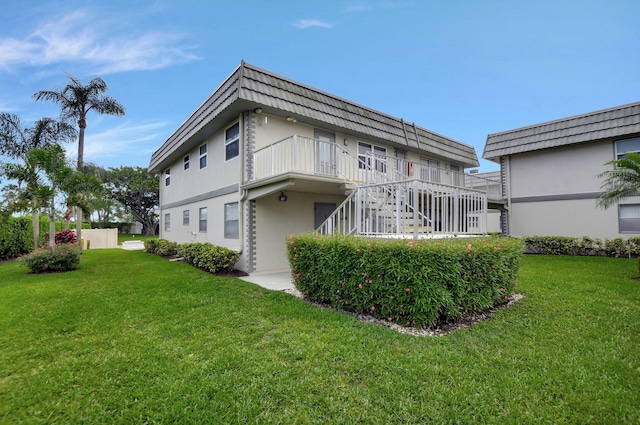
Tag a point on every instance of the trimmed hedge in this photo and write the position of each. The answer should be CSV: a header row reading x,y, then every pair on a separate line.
x,y
161,247
563,245
209,257
411,283
16,237
204,256
61,259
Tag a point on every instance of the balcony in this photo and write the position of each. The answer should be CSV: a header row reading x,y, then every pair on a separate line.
x,y
316,158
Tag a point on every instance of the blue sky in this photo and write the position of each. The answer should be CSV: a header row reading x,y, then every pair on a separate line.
x,y
461,68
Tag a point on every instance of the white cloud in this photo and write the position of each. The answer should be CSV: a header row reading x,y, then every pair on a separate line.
x,y
79,36
309,23
358,7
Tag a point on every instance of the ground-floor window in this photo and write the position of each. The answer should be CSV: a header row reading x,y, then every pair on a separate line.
x,y
167,222
629,218
185,217
203,219
231,221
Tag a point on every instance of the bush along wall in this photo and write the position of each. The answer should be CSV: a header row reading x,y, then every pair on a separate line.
x,y
204,256
412,283
563,245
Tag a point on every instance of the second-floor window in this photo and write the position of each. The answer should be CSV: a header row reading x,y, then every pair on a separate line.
x,y
186,162
429,170
203,156
370,156
623,147
232,142
167,177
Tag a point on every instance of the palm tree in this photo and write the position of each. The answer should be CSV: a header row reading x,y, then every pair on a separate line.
x,y
16,139
76,100
621,182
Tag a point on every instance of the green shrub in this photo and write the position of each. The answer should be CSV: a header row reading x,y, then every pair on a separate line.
x,y
410,283
617,247
209,257
16,237
161,247
151,245
61,259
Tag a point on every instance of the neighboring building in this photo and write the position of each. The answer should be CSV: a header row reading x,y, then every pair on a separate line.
x,y
549,174
265,156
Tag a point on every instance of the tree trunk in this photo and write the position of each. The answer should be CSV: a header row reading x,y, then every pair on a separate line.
x,y
35,223
79,226
52,225
82,123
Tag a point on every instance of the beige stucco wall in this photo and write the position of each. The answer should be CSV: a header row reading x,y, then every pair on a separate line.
x,y
215,223
217,174
569,169
567,172
275,220
575,218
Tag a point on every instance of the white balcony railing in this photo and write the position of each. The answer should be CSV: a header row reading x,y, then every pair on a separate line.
x,y
305,155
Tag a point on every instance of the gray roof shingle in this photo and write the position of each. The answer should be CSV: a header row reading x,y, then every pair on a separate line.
x,y
614,122
249,87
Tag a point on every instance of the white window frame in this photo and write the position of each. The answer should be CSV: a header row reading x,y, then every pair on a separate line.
x,y
630,223
167,177
202,155
202,220
185,217
232,220
620,151
230,141
185,161
167,222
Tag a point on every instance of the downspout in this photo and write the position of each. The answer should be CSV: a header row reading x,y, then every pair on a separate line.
x,y
506,176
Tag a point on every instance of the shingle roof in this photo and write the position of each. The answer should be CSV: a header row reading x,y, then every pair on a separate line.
x,y
250,86
604,124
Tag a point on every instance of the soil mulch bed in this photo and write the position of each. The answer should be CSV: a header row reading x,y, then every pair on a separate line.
x,y
436,330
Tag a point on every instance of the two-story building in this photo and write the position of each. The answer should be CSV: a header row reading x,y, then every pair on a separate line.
x,y
549,174
265,156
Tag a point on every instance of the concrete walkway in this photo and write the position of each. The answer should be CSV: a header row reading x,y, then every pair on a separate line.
x,y
132,245
277,281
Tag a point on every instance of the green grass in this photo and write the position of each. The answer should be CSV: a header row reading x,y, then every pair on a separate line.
x,y
123,237
133,338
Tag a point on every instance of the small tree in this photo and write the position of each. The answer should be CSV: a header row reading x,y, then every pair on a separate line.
x,y
56,178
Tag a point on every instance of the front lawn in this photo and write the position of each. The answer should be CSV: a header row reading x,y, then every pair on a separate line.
x,y
132,338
